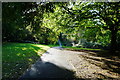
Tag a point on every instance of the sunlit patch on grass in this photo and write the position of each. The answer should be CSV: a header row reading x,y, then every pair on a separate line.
x,y
40,52
18,54
24,48
43,47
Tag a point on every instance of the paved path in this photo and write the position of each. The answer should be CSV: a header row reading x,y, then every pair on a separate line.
x,y
59,63
53,64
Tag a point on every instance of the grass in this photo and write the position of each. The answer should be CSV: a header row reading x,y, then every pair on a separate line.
x,y
17,57
76,48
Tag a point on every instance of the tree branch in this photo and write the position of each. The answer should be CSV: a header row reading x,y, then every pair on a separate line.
x,y
105,28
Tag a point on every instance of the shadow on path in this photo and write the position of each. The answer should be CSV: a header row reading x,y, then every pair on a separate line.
x,y
106,61
46,67
47,70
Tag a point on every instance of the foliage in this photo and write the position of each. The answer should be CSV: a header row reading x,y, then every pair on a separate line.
x,y
14,20
103,16
94,22
22,21
102,19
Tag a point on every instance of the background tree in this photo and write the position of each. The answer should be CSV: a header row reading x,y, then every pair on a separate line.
x,y
105,13
95,22
22,21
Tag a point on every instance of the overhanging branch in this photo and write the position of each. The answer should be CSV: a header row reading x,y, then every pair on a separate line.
x,y
106,28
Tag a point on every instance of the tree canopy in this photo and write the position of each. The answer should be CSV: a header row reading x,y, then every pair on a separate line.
x,y
96,23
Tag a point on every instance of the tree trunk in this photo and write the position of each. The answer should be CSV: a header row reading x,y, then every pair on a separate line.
x,y
113,46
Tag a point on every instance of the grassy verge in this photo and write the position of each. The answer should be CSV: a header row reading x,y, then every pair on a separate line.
x,y
50,45
17,57
78,49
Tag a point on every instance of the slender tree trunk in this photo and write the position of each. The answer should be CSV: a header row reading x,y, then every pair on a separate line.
x,y
60,44
60,39
113,46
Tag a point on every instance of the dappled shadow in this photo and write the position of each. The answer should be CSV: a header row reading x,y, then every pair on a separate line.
x,y
17,58
104,60
47,70
101,76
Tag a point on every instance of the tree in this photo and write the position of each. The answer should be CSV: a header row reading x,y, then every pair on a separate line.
x,y
22,21
109,13
16,19
106,14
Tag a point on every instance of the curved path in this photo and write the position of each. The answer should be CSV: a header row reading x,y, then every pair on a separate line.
x,y
60,63
53,64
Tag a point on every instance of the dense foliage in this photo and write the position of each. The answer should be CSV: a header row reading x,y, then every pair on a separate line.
x,y
83,24
22,21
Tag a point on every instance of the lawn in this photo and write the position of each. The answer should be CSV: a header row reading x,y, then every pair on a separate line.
x,y
17,57
79,49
